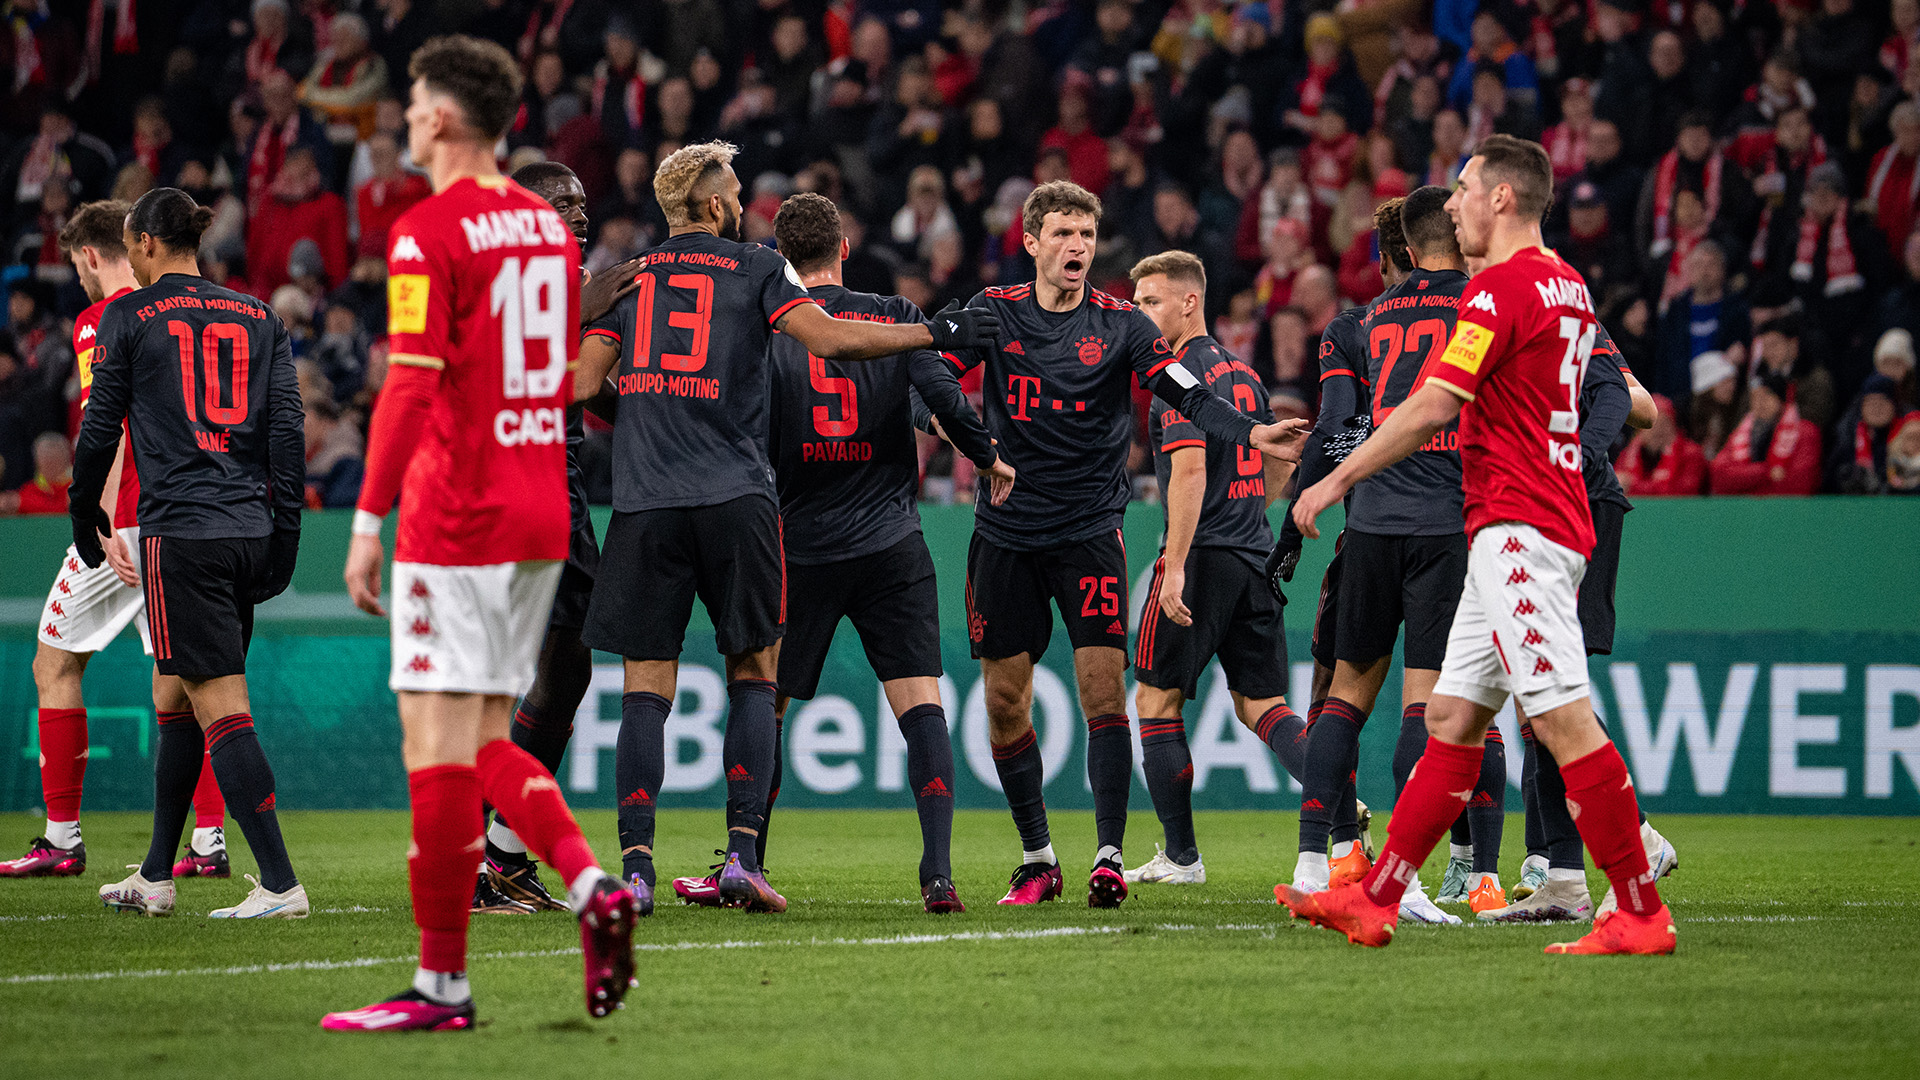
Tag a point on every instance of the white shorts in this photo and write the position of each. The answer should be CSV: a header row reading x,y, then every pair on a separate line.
x,y
87,608
1517,630
470,629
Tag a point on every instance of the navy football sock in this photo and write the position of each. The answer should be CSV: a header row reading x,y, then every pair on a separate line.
x,y
1564,850
1333,750
1536,834
1411,744
747,754
1486,814
1169,768
246,782
1110,774
176,771
1021,777
1285,733
930,775
639,764
773,789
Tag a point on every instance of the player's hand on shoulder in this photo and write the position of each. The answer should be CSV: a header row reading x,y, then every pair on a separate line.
x,y
603,290
956,328
1284,440
283,551
999,479
364,555
90,523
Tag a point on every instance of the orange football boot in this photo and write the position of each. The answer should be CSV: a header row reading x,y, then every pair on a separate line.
x,y
1346,909
1487,895
1348,869
1620,933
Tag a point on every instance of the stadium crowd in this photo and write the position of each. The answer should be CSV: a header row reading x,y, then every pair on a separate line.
x,y
1737,179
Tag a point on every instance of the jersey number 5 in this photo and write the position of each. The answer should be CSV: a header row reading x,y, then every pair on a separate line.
x,y
234,390
531,305
839,387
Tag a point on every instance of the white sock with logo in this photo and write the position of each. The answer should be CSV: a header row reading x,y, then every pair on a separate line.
x,y
442,987
505,839
1044,856
63,834
208,841
1311,867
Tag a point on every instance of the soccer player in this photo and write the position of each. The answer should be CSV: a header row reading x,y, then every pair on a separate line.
x,y
1406,548
89,606
543,721
1511,375
695,507
1553,884
203,379
848,470
1058,400
1216,539
483,309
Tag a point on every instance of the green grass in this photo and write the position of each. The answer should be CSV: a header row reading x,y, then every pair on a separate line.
x,y
1798,945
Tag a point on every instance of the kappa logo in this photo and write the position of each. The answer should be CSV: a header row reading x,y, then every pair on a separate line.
x,y
1524,607
1519,577
73,565
420,628
57,609
1542,667
419,590
86,333
1513,546
421,664
52,631
65,589
1016,348
935,788
406,249
739,775
1533,637
1483,302
639,797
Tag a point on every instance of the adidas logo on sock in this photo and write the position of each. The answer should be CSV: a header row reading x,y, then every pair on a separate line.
x,y
265,805
739,775
1313,804
935,788
638,798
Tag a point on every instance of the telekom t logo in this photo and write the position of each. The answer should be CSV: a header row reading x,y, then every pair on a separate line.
x,y
1026,391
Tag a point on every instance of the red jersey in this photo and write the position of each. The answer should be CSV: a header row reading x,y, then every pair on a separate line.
x,y
1518,356
483,287
126,512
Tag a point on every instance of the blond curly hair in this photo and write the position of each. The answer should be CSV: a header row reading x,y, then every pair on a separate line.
x,y
680,174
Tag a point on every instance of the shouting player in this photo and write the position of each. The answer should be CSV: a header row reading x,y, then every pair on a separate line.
x,y
483,308
1057,398
1511,375
1406,551
543,721
203,378
1216,539
848,470
89,606
695,507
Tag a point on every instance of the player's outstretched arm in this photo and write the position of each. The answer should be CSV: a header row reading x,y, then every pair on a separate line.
x,y
837,339
1186,489
1418,419
932,376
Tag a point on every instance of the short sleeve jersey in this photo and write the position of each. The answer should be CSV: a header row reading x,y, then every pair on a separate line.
x,y
1233,511
1518,356
483,285
86,331
1057,395
693,376
1403,333
843,440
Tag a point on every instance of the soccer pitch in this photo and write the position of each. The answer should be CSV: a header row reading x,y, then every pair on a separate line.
x,y
1799,955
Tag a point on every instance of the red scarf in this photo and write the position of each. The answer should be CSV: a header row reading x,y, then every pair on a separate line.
x,y
269,150
1816,153
1842,275
1881,169
262,57
147,152
530,39
331,76
1663,186
1568,150
1313,88
1786,435
1863,444
633,95
27,67
1683,244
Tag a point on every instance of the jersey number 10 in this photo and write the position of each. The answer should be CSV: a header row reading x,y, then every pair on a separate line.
x,y
207,371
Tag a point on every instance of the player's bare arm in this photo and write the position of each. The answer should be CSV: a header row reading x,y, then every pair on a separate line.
x,y
1186,488
1431,408
1643,411
118,556
598,355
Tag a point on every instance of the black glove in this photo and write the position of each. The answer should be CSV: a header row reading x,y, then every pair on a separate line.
x,y
283,550
1281,562
956,328
90,523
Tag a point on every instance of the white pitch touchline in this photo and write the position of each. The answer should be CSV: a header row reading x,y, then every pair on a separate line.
x,y
678,946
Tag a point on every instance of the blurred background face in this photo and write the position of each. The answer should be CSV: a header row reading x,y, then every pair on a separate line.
x,y
1660,435
984,121
1666,55
1876,410
1172,213
1449,133
1695,143
1603,142
1764,404
1706,270
1794,131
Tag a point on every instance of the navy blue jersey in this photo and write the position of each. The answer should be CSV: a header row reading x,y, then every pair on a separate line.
x,y
1604,405
1403,331
204,378
1233,512
1342,423
843,441
1057,397
693,377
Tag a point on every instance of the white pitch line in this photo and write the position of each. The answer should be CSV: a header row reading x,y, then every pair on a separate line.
x,y
677,946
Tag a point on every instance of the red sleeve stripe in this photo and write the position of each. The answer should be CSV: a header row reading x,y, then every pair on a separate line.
x,y
1177,444
604,332
954,360
1162,366
786,307
1325,375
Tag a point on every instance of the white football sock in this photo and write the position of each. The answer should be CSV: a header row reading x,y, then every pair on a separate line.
x,y
1344,848
1044,856
505,839
1311,866
1460,851
63,834
208,841
443,987
580,890
1109,853
1561,873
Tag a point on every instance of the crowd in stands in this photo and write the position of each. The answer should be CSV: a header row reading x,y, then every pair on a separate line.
x,y
1737,179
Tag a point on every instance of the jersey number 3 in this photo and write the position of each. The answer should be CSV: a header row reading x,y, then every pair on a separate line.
x,y
207,371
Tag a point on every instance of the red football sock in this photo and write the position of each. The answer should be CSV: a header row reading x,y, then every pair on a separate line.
x,y
63,761
529,796
1436,793
440,867
1600,797
209,807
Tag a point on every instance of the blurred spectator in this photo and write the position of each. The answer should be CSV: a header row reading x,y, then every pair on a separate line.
x,y
1086,150
1696,165
1493,46
618,241
1857,462
1330,157
619,100
401,26
1449,144
1718,403
790,63
295,309
1661,460
1839,265
335,465
1838,44
1903,456
42,52
1317,294
1773,451
1492,110
388,193
1903,42
346,81
283,126
1780,182
1893,182
632,198
1618,179
340,352
365,294
1289,350
1566,141
282,42
1704,317
1287,256
296,208
1779,347
1412,130
1238,329
1176,223
46,493
1900,307
1284,194
925,213
153,144
1780,89
546,81
57,153
1329,85
132,181
1592,245
1893,357
1722,64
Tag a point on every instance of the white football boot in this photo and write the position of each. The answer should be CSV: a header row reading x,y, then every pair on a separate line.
x,y
1161,870
261,904
1662,859
1558,899
1417,907
136,895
